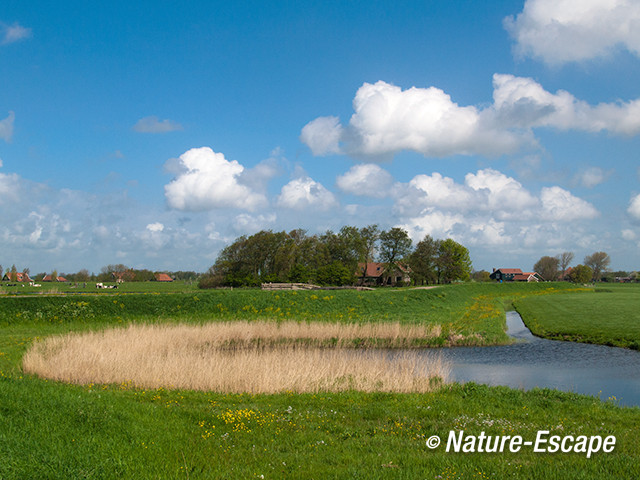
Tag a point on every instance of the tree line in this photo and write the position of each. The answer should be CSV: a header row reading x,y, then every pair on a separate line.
x,y
594,267
332,258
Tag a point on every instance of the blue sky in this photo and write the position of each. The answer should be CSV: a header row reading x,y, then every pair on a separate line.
x,y
154,133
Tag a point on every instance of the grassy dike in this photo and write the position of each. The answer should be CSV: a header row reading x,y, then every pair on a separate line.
x,y
54,430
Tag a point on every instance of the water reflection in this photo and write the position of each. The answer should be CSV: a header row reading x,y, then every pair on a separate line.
x,y
534,362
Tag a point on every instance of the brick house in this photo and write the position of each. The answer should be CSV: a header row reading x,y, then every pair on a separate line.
x,y
375,273
514,275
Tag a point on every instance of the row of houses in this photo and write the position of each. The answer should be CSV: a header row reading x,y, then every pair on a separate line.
x,y
377,274
368,274
24,277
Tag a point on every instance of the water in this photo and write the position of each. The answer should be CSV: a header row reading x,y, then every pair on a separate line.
x,y
535,362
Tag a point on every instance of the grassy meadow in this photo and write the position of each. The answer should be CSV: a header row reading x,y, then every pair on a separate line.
x,y
610,315
52,429
89,288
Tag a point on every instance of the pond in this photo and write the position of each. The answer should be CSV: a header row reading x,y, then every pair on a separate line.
x,y
535,362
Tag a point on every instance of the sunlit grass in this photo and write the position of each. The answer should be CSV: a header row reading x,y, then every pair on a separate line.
x,y
610,317
57,430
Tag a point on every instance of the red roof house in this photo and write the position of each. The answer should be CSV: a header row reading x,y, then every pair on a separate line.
x,y
16,277
514,275
375,273
47,278
163,277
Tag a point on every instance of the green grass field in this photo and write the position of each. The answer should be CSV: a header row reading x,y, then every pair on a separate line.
x,y
54,430
610,315
84,288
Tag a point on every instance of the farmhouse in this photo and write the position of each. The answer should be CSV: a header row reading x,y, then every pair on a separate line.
x,y
47,278
374,273
162,277
16,277
514,275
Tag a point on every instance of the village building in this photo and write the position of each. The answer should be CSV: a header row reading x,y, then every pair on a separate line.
x,y
378,274
48,278
16,277
162,277
514,275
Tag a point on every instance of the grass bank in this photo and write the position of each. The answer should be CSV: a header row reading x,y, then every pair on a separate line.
x,y
50,429
608,315
470,314
58,431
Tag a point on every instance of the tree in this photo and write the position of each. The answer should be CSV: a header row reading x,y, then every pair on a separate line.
x,y
335,273
395,245
1,270
564,260
454,262
547,267
370,236
424,261
347,246
481,276
581,274
598,262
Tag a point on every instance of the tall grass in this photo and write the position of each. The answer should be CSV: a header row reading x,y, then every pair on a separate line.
x,y
253,357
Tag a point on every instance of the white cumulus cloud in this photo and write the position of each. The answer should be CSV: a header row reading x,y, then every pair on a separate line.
x,y
484,191
500,194
634,207
322,135
560,204
305,193
559,31
6,127
491,209
152,124
367,180
592,176
13,33
248,224
155,227
434,223
387,120
207,180
524,103
629,235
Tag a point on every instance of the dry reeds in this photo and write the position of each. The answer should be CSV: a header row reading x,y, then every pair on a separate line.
x,y
254,357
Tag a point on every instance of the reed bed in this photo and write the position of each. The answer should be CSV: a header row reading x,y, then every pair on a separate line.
x,y
253,357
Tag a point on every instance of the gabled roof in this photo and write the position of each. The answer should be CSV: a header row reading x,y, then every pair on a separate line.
x,y
371,269
509,270
522,276
525,276
17,277
47,278
163,277
376,269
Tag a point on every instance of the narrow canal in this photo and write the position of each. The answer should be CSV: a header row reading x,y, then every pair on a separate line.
x,y
535,362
